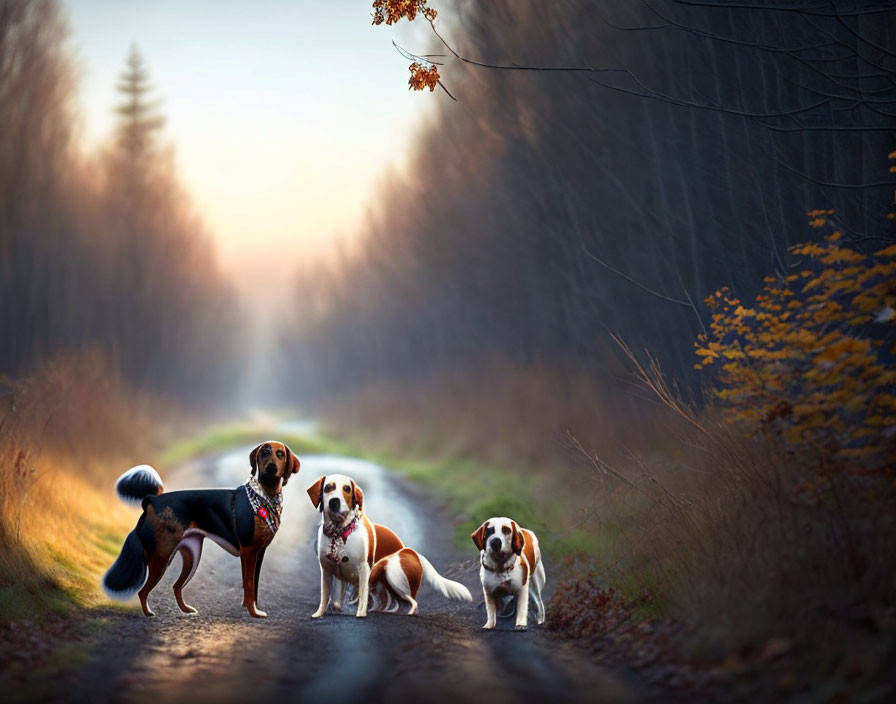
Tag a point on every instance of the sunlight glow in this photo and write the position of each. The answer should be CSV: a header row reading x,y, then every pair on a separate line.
x,y
283,113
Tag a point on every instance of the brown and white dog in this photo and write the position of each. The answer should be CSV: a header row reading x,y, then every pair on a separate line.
x,y
398,576
348,542
510,565
243,521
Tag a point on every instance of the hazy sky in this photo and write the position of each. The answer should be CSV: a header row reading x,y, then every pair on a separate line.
x,y
283,113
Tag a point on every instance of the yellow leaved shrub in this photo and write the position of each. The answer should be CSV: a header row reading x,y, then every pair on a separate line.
x,y
812,357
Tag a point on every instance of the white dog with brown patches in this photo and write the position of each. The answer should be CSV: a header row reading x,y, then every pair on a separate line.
x,y
509,565
397,578
348,542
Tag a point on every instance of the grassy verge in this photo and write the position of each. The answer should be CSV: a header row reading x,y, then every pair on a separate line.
x,y
64,540
725,557
59,527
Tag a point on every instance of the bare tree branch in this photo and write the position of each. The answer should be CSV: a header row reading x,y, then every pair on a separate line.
x,y
865,40
729,40
520,67
649,92
631,280
810,10
829,184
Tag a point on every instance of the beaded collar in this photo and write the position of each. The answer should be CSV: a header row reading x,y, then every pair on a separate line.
x,y
338,535
267,507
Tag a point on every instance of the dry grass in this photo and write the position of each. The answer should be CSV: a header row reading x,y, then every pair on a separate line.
x,y
729,541
720,530
751,539
66,432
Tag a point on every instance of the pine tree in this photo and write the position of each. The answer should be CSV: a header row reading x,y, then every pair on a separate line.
x,y
136,179
139,120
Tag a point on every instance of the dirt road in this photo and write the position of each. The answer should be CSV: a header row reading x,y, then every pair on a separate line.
x,y
221,654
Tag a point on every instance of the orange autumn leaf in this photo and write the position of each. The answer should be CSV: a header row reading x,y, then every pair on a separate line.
x,y
391,11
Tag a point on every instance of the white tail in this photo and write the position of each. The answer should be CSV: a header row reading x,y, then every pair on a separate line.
x,y
449,588
138,483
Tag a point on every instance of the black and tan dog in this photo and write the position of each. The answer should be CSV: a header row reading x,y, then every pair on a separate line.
x,y
243,521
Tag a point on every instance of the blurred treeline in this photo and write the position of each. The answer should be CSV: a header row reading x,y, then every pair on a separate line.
x,y
692,169
99,251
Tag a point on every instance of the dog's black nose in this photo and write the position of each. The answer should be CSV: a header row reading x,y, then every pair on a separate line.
x,y
334,504
495,544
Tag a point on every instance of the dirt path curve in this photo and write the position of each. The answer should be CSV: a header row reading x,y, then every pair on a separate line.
x,y
221,654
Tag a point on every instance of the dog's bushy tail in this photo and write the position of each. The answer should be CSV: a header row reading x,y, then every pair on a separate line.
x,y
449,588
137,483
128,574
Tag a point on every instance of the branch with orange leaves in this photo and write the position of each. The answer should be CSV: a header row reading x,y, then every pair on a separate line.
x,y
424,71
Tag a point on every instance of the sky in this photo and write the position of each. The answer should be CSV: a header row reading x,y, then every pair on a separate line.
x,y
284,114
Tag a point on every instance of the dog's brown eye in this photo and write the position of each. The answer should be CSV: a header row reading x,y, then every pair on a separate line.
x,y
328,488
505,530
489,531
280,454
347,489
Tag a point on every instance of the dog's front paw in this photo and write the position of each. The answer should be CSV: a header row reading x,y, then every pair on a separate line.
x,y
361,614
255,613
488,626
521,627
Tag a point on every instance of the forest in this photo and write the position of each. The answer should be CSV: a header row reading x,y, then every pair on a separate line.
x,y
101,252
544,209
633,283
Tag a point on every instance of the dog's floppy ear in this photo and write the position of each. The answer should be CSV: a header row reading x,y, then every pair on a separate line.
x,y
357,496
478,535
253,457
316,492
292,464
516,542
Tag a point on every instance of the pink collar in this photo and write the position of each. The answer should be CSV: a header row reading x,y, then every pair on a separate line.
x,y
334,532
349,529
337,537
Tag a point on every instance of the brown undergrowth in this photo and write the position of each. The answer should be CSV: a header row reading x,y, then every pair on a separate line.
x,y
679,543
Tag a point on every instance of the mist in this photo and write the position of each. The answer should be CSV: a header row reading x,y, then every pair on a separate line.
x,y
611,283
544,211
102,252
